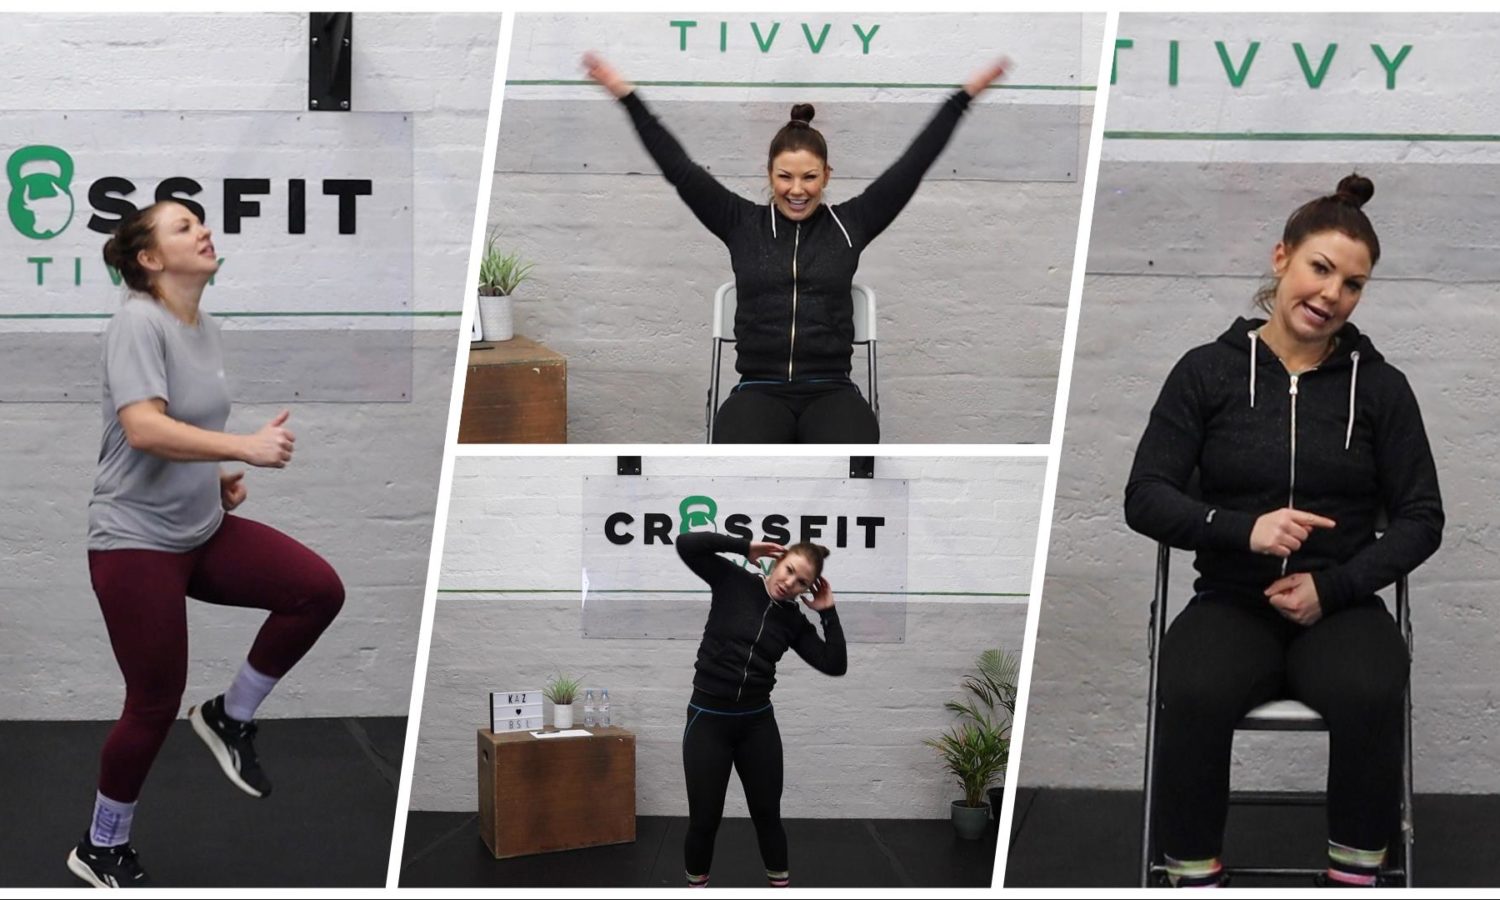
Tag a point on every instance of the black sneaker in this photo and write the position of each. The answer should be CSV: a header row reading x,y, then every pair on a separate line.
x,y
107,867
232,743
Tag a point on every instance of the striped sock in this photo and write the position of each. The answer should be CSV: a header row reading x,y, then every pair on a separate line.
x,y
779,879
697,880
1195,872
1346,865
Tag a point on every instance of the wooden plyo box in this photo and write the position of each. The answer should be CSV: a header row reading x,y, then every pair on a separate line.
x,y
516,392
539,795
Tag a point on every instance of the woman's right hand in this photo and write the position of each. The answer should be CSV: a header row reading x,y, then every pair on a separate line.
x,y
1282,531
271,446
995,71
760,550
605,75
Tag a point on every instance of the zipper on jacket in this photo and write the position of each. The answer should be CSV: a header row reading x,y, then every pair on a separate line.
x,y
792,350
745,677
1291,489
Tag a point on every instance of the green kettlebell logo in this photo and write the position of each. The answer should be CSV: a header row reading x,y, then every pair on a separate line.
x,y
41,204
698,514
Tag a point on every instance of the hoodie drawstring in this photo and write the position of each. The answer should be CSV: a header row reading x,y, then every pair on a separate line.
x,y
841,227
1253,336
1353,380
835,215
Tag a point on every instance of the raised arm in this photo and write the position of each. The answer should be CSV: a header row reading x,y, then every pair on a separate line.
x,y
828,653
880,203
717,207
1414,509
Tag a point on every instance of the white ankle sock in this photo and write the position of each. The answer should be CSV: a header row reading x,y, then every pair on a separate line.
x,y
111,826
246,693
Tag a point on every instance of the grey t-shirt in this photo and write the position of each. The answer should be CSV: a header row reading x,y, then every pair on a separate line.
x,y
143,501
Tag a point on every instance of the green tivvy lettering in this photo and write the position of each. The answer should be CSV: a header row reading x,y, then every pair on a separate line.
x,y
1114,63
723,36
1390,66
682,26
41,201
817,45
1172,63
41,263
765,44
865,39
1314,79
114,276
1237,76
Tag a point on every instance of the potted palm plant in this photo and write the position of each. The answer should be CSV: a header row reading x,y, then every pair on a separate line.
x,y
562,691
499,276
977,749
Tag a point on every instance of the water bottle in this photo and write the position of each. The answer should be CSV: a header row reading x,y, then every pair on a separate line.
x,y
604,708
589,708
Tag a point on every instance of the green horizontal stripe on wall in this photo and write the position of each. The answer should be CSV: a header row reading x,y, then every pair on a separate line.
x,y
406,314
1293,136
896,85
651,591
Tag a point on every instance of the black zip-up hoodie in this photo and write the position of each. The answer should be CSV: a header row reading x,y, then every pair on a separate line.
x,y
747,631
1342,440
794,319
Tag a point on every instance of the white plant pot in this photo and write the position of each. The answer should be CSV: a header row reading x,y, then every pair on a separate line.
x,y
497,318
562,716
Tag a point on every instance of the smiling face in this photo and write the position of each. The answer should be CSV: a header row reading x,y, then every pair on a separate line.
x,y
181,244
793,574
1319,283
798,178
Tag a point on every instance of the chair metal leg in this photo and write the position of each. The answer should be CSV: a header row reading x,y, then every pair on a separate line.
x,y
711,414
1156,629
874,384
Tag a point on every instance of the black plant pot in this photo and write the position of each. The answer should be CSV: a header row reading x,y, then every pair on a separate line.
x,y
997,799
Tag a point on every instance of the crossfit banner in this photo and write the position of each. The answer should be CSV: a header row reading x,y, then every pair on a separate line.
x,y
634,585
311,213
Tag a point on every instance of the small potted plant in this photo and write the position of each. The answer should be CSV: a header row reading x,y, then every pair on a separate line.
x,y
975,754
499,276
977,750
562,691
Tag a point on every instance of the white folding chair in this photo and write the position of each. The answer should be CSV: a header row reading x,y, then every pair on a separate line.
x,y
861,296
1278,715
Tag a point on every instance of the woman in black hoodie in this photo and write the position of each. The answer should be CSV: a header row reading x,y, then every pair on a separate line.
x,y
794,262
1301,434
753,620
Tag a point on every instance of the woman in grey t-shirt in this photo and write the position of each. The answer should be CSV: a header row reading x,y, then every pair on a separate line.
x,y
160,530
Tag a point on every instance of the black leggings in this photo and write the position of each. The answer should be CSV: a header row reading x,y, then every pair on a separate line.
x,y
712,742
1223,657
799,412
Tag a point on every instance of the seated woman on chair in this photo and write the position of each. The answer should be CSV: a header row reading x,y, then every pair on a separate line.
x,y
1301,434
794,262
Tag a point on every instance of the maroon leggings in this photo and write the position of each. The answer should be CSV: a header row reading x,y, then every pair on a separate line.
x,y
143,595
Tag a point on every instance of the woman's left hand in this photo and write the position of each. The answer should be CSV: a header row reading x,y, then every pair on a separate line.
x,y
1296,597
995,71
822,597
232,490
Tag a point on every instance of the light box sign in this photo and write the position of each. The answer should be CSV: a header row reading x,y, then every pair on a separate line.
x,y
312,221
635,586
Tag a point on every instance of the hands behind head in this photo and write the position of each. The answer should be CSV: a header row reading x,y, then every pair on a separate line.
x,y
760,550
822,597
995,71
605,75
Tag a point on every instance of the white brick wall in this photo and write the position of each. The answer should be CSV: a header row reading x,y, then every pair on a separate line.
x,y
1182,235
853,744
363,485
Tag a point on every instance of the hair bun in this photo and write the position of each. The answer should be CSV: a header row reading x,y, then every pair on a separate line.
x,y
822,550
803,112
1355,189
